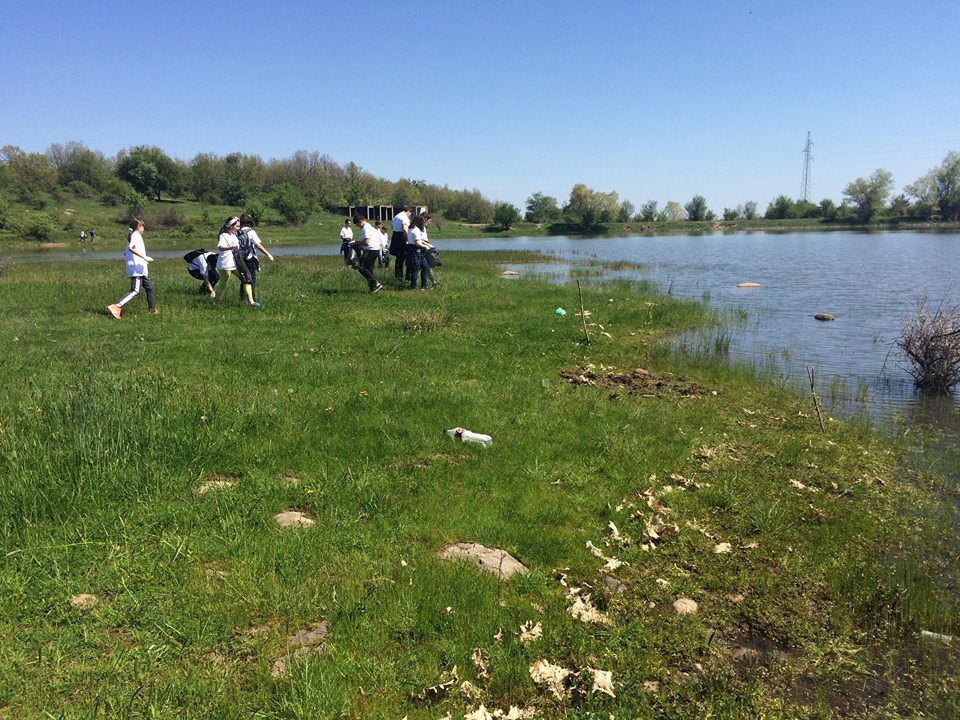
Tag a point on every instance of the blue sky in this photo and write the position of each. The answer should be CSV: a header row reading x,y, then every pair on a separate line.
x,y
655,100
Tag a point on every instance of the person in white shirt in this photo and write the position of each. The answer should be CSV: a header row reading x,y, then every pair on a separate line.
x,y
346,237
229,260
398,241
417,245
383,261
137,260
203,266
370,247
250,243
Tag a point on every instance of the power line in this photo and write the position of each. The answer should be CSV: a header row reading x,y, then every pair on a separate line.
x,y
807,159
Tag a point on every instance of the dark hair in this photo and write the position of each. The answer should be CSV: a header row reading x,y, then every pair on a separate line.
x,y
418,222
246,220
358,217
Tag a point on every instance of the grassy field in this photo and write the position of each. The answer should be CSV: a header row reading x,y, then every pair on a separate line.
x,y
143,462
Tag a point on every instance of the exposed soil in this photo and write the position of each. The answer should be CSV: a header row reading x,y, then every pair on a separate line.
x,y
637,382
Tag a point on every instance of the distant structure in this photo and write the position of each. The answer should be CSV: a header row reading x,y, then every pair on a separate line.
x,y
384,213
807,159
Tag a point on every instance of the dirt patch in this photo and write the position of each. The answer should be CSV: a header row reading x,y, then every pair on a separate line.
x,y
215,482
637,382
311,640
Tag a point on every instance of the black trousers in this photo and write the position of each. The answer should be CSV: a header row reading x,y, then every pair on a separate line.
x,y
367,262
398,248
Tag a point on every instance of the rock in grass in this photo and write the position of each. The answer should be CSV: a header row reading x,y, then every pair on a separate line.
x,y
492,560
685,606
83,601
209,485
293,518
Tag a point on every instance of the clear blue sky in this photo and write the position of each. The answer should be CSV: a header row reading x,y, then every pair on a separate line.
x,y
655,100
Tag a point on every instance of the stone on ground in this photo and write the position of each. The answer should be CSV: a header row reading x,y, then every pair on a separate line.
x,y
492,560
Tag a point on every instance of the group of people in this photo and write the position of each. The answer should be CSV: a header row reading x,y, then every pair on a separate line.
x,y
83,235
409,245
237,247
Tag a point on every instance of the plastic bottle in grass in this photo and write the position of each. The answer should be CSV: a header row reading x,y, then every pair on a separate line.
x,y
467,436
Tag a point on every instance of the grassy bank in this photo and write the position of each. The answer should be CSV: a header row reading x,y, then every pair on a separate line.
x,y
802,549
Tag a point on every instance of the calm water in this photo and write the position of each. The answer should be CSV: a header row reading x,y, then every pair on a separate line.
x,y
867,281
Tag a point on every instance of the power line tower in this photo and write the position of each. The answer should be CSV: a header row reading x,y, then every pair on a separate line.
x,y
807,159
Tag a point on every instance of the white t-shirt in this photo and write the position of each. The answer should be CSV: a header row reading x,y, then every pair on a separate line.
x,y
225,245
384,240
346,233
414,234
135,265
254,241
199,263
370,237
399,220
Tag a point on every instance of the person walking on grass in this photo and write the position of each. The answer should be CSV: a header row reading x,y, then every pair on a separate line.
x,y
383,261
231,262
398,241
137,261
346,240
417,246
249,244
370,249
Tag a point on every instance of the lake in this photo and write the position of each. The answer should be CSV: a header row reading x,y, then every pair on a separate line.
x,y
867,280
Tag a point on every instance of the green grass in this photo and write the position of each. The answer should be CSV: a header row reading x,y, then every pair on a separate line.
x,y
332,401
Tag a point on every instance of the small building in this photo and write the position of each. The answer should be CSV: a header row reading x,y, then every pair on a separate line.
x,y
383,213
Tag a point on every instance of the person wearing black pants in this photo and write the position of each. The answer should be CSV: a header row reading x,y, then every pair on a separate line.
x,y
398,241
370,245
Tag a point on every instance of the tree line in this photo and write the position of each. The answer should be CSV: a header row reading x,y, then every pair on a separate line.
x,y
290,189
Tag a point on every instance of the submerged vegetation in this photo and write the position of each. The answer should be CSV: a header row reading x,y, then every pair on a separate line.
x,y
695,545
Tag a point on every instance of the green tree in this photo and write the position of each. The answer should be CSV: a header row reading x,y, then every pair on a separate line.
x,y
77,163
940,187
291,203
749,211
542,208
505,215
674,211
207,178
648,211
900,206
780,209
150,170
32,178
697,208
731,214
869,195
589,208
828,209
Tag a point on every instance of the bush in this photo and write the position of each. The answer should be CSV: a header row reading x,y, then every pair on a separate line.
x,y
168,219
931,342
291,203
80,189
41,228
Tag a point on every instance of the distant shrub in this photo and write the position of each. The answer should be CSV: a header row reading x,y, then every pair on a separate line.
x,y
80,189
169,219
115,191
41,228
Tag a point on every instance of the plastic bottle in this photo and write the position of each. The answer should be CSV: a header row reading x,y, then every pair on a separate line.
x,y
464,435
